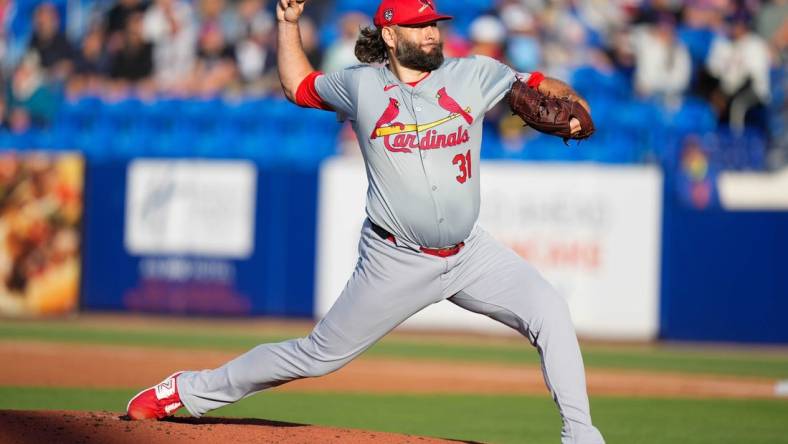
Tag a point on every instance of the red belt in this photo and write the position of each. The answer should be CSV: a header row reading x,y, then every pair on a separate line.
x,y
440,252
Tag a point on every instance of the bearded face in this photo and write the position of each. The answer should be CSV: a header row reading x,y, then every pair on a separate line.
x,y
413,55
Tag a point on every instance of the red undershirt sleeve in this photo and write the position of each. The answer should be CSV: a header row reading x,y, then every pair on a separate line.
x,y
307,96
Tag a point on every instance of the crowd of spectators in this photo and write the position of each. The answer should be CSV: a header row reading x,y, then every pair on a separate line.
x,y
724,51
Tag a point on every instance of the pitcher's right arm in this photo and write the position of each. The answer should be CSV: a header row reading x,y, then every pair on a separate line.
x,y
291,60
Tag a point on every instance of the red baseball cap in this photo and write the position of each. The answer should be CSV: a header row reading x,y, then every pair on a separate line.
x,y
407,12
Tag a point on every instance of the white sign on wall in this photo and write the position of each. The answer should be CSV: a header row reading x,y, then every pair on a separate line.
x,y
592,230
190,207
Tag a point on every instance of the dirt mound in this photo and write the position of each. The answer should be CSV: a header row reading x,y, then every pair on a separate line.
x,y
35,427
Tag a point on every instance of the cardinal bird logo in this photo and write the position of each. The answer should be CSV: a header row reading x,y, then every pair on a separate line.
x,y
387,119
449,104
426,4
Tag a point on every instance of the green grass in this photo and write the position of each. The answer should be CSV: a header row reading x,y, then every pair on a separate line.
x,y
59,332
665,358
497,419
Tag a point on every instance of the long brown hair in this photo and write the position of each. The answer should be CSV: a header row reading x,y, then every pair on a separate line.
x,y
370,47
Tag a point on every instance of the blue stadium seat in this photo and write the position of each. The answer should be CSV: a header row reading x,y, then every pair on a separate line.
x,y
83,114
596,85
162,114
256,144
541,148
130,142
123,114
163,141
698,43
92,143
746,151
694,115
6,140
343,6
242,115
16,142
200,114
491,144
603,110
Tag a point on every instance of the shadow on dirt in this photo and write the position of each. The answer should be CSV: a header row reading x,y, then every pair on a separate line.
x,y
232,421
258,422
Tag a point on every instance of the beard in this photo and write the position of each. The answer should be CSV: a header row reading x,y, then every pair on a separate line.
x,y
410,55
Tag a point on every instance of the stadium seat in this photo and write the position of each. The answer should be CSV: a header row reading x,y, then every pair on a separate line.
x,y
694,115
698,43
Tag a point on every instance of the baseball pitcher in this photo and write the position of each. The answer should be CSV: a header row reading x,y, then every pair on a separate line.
x,y
418,118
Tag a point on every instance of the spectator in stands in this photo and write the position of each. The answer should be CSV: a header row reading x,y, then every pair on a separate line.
x,y
54,50
253,49
599,18
523,49
310,42
90,64
132,64
662,62
216,68
341,53
772,24
622,52
30,101
254,19
6,12
3,108
650,11
454,43
215,13
740,63
613,49
701,20
115,21
488,36
170,26
565,42
780,42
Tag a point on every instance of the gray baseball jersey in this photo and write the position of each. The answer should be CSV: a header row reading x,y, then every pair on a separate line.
x,y
420,144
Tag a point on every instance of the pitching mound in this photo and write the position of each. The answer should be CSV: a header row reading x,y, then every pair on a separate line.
x,y
35,427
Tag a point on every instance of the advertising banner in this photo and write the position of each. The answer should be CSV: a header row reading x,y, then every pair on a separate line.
x,y
190,207
40,218
592,230
186,220
198,236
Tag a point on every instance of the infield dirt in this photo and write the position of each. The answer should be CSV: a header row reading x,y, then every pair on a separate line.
x,y
47,364
36,427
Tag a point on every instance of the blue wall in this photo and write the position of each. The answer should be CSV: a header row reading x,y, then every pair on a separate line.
x,y
724,274
276,280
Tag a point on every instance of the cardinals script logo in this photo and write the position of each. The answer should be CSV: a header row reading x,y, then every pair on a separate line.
x,y
399,137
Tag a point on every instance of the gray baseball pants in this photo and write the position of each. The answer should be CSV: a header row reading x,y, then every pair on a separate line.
x,y
389,285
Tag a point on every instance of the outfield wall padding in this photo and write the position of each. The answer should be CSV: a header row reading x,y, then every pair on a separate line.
x,y
724,274
274,278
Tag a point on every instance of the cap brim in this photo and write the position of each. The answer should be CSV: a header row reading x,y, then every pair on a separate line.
x,y
426,19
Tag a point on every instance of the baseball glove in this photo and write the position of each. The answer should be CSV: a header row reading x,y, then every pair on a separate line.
x,y
549,114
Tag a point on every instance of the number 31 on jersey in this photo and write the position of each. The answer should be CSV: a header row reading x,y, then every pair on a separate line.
x,y
463,162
